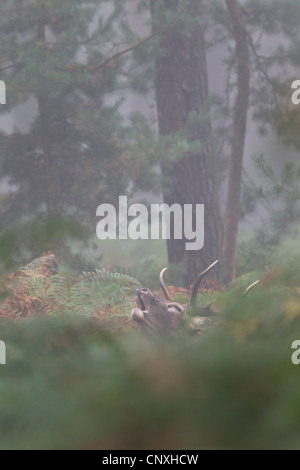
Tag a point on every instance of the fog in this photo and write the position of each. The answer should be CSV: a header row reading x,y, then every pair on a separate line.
x,y
275,152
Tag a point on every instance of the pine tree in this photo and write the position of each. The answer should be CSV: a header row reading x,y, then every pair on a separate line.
x,y
261,78
241,108
182,98
70,160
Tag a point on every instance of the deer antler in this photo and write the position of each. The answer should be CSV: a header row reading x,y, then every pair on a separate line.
x,y
196,285
193,302
162,284
251,287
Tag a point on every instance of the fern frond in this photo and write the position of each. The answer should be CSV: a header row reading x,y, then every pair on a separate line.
x,y
101,275
37,288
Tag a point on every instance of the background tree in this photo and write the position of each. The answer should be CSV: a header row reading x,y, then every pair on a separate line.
x,y
184,107
260,45
238,140
69,59
182,98
69,160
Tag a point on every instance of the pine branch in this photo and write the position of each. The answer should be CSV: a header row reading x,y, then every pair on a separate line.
x,y
85,41
17,66
135,46
258,59
251,11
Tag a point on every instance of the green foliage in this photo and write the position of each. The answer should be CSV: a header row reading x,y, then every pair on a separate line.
x,y
44,291
148,268
104,289
146,150
284,188
279,196
233,388
147,271
69,159
273,73
255,253
23,241
67,384
273,38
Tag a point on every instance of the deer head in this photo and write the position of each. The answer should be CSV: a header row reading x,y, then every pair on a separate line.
x,y
165,316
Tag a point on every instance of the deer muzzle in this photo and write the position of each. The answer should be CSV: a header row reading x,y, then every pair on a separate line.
x,y
156,314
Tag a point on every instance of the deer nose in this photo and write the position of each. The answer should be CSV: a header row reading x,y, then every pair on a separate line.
x,y
143,290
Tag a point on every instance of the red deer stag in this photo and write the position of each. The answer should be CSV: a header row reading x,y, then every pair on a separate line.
x,y
165,316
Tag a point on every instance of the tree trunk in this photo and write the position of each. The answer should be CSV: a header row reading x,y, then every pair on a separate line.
x,y
182,88
46,140
238,141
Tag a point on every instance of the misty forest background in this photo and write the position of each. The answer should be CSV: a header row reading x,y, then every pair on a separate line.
x,y
181,101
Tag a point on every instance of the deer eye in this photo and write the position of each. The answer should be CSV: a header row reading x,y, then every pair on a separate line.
x,y
177,307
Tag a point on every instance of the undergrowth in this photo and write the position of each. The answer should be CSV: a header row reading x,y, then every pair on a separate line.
x,y
68,384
